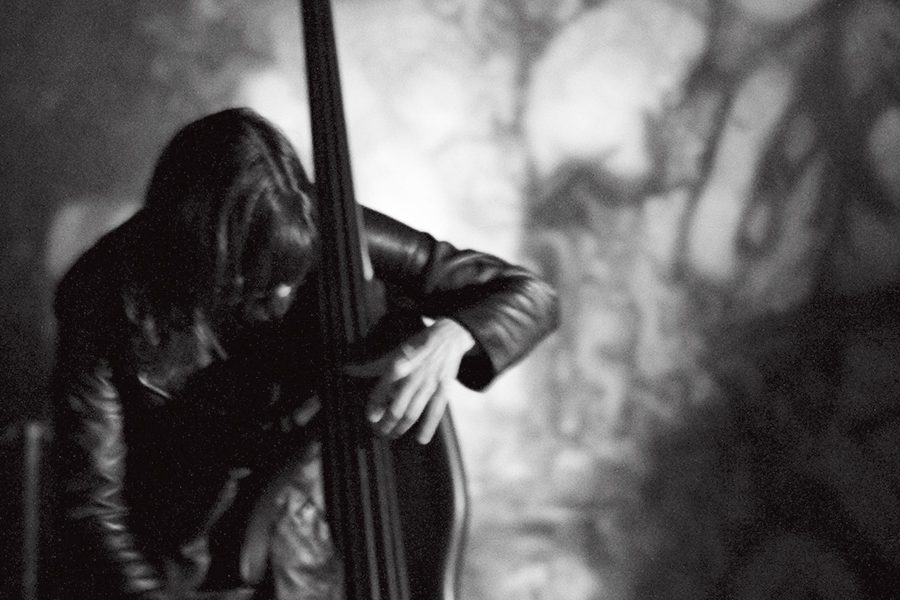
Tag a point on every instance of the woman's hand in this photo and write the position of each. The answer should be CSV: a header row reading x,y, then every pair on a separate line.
x,y
413,380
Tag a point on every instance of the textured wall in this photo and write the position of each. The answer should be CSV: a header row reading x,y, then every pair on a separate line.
x,y
712,187
728,271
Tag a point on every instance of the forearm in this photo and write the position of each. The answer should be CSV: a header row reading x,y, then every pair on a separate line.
x,y
507,309
101,552
514,315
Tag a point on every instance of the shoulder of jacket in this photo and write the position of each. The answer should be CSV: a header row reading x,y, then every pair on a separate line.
x,y
99,279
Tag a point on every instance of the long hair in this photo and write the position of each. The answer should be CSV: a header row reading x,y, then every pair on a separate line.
x,y
229,201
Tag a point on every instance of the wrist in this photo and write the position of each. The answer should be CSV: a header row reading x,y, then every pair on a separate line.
x,y
457,335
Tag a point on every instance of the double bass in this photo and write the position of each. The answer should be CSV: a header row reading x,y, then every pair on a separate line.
x,y
396,509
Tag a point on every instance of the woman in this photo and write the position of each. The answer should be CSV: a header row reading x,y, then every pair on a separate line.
x,y
180,334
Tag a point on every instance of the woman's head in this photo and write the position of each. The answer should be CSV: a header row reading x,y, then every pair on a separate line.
x,y
233,209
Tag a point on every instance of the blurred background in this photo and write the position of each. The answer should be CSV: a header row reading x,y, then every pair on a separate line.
x,y
713,187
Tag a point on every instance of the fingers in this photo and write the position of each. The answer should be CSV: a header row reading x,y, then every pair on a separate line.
x,y
412,380
394,369
433,414
393,401
403,359
305,413
407,407
300,416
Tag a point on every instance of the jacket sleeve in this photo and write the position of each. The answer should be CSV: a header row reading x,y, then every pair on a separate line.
x,y
506,308
100,553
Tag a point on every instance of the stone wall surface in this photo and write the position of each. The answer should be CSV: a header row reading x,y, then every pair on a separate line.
x,y
711,186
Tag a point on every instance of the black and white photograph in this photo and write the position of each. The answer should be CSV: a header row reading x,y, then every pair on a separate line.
x,y
450,300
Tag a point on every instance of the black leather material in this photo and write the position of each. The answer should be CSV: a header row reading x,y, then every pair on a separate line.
x,y
159,429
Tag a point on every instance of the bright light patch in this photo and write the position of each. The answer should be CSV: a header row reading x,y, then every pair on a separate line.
x,y
79,223
274,95
600,78
884,151
757,111
283,291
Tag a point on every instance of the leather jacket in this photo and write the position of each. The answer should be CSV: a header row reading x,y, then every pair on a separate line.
x,y
158,427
